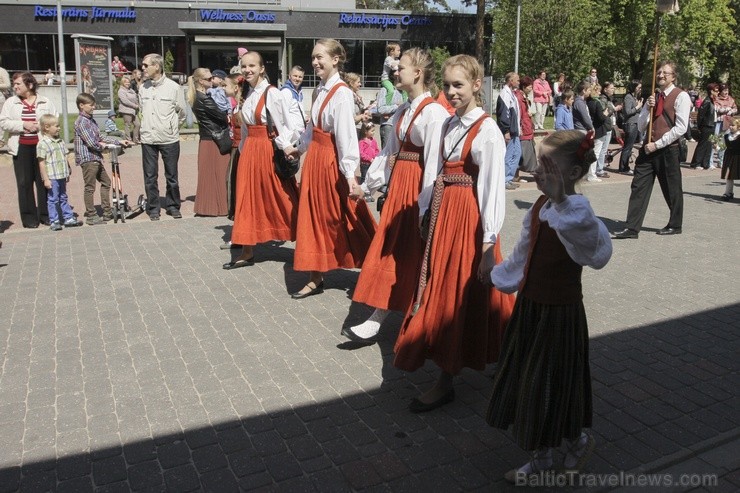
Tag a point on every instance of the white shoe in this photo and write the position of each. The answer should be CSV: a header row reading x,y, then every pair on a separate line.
x,y
593,180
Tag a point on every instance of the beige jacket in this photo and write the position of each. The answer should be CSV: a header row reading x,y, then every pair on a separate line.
x,y
10,118
162,105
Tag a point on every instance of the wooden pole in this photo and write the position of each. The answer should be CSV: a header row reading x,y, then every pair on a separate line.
x,y
655,72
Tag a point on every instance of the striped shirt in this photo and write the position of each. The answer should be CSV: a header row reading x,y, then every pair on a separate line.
x,y
28,114
53,152
87,140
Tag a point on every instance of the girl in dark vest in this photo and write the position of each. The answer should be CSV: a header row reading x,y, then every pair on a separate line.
x,y
543,384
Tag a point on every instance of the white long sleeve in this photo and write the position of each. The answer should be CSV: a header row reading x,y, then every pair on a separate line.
x,y
338,119
488,150
583,235
279,111
426,133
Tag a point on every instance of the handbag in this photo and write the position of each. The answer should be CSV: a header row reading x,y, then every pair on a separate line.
x,y
222,138
285,168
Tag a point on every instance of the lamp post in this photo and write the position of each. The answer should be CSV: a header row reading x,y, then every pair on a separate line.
x,y
62,70
516,46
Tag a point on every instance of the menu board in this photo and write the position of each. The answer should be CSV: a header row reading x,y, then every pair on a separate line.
x,y
93,70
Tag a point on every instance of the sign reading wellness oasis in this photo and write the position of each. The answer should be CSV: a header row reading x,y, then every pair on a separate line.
x,y
93,70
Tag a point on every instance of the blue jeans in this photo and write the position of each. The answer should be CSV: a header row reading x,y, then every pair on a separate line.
x,y
170,155
512,157
56,197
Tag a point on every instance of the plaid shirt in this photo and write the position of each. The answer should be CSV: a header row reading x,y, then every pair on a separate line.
x,y
53,152
87,140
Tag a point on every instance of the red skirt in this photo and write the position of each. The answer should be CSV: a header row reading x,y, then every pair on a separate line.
x,y
266,206
210,194
391,269
461,321
334,231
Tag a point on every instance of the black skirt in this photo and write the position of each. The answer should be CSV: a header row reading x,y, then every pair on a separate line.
x,y
543,384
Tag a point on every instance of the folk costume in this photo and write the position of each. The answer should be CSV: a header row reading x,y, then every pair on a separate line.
x,y
333,231
391,269
265,204
456,320
543,384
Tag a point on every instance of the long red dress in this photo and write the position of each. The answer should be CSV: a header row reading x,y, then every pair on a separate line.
x,y
334,231
460,321
265,204
391,269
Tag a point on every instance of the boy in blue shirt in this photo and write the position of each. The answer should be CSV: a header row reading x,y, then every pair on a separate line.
x,y
52,155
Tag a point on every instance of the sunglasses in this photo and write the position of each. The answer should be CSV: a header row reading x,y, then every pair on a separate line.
x,y
208,78
144,65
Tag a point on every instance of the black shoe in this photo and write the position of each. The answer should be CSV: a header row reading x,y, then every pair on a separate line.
x,y
625,234
175,213
668,231
728,196
417,406
350,334
317,290
154,217
239,263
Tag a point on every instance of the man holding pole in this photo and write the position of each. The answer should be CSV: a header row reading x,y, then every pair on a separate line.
x,y
665,117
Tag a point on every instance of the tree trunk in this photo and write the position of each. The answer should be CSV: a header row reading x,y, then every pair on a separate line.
x,y
480,15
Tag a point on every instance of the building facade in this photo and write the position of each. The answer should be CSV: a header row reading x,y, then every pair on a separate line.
x,y
206,34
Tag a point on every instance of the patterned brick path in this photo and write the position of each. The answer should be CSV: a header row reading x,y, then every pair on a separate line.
x,y
129,360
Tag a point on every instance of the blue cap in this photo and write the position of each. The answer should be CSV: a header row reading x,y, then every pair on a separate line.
x,y
111,113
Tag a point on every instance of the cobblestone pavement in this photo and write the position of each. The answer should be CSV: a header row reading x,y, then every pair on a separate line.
x,y
131,361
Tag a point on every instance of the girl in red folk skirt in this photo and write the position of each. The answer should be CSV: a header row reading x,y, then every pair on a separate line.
x,y
408,165
543,383
334,230
457,320
265,204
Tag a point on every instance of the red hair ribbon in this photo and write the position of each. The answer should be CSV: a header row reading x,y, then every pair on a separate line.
x,y
240,80
586,145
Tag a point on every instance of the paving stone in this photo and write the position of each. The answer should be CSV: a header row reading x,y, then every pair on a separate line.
x,y
182,478
209,458
145,475
109,470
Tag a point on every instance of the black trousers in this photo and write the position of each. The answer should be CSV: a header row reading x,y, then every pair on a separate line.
x,y
33,210
703,152
663,164
631,136
149,158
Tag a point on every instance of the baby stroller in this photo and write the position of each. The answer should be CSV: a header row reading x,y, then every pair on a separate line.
x,y
119,201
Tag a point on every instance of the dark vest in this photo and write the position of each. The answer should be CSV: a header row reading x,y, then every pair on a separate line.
x,y
660,124
551,277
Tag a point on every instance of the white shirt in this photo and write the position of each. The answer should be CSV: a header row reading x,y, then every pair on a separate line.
x,y
487,151
297,120
338,119
682,107
426,133
279,112
583,235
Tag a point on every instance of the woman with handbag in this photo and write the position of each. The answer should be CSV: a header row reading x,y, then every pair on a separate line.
x,y
213,163
265,208
334,230
391,268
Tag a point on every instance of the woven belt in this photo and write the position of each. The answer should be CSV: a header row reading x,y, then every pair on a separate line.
x,y
452,179
409,156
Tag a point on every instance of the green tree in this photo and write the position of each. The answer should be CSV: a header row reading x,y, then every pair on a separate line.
x,y
169,62
439,55
555,36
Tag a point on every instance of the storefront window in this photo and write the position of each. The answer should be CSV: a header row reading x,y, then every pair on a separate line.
x,y
41,52
124,47
13,52
299,53
176,46
146,45
354,56
374,58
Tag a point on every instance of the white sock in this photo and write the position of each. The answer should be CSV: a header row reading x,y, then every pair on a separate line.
x,y
371,326
576,449
541,461
729,186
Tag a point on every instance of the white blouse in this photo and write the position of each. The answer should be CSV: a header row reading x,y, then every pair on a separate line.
x,y
338,119
583,235
279,111
487,151
426,133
